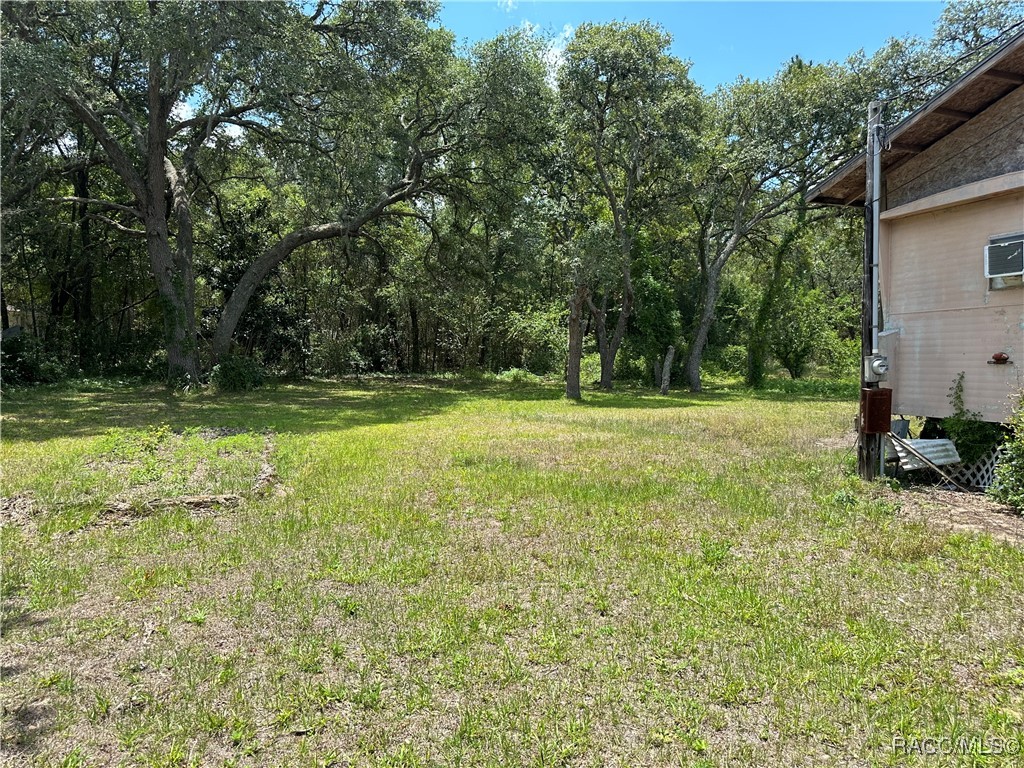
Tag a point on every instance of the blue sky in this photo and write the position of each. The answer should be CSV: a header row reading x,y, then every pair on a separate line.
x,y
722,39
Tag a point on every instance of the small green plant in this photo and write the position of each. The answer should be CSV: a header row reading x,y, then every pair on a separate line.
x,y
518,376
237,374
1009,484
972,437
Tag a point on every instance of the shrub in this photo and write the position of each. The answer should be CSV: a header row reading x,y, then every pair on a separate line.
x,y
972,437
1009,482
24,359
590,369
539,335
800,330
733,359
518,376
237,374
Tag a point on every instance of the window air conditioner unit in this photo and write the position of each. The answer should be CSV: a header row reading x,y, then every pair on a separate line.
x,y
1004,256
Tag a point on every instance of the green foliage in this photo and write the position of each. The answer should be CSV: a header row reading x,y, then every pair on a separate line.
x,y
502,191
655,323
1009,480
800,329
590,368
731,359
25,359
539,336
518,376
972,437
237,374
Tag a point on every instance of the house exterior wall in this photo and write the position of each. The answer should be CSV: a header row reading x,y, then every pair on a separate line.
x,y
989,145
940,314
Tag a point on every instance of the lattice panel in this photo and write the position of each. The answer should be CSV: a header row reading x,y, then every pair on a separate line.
x,y
980,474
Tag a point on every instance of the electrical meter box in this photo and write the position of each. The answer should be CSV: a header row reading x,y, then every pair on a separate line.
x,y
876,368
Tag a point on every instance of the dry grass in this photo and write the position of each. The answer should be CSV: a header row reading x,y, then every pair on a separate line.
x,y
471,574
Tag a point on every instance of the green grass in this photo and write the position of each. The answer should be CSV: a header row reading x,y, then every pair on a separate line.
x,y
482,573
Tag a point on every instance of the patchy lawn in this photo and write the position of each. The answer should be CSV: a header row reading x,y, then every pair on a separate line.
x,y
410,574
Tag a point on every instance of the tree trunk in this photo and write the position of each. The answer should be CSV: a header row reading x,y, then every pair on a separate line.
x,y
575,356
607,347
177,304
656,367
666,373
175,283
414,327
599,316
5,319
700,340
757,342
83,309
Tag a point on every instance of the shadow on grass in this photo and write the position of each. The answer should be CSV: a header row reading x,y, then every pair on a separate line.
x,y
45,413
74,410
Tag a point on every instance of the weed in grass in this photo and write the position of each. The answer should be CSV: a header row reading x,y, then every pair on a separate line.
x,y
714,552
368,696
58,681
101,706
73,759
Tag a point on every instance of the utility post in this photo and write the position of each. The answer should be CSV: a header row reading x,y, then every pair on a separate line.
x,y
869,451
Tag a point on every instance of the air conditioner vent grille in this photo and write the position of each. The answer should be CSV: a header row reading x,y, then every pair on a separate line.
x,y
1004,257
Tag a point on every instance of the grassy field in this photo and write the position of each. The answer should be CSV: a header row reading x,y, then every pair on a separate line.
x,y
455,573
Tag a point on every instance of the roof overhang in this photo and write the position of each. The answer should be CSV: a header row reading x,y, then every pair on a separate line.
x,y
974,92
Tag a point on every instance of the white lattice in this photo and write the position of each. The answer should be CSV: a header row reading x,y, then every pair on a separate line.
x,y
980,474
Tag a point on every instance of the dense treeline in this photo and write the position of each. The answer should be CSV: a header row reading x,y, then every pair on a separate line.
x,y
333,187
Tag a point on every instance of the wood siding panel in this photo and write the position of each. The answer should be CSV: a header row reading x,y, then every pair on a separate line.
x,y
934,292
990,145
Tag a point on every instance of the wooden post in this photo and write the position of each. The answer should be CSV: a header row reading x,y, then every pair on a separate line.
x,y
869,446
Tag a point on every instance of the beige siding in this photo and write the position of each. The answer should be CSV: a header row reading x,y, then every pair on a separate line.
x,y
934,293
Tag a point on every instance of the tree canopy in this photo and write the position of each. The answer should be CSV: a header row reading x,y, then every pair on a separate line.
x,y
337,187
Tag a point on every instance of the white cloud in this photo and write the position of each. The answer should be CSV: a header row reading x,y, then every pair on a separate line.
x,y
232,130
508,5
529,27
182,110
554,53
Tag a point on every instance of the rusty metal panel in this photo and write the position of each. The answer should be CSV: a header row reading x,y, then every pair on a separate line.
x,y
876,410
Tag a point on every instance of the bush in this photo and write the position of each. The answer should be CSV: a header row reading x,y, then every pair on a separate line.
x,y
539,335
800,330
842,356
24,359
972,437
733,359
634,369
518,376
590,369
237,374
1009,482
337,357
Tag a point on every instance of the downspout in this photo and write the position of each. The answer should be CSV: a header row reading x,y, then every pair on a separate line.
x,y
876,209
870,453
876,258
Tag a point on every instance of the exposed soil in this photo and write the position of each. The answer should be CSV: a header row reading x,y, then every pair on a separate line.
x,y
16,509
960,511
21,508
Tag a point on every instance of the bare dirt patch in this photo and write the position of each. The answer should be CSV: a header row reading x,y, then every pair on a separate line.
x,y
846,441
143,476
959,511
17,509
